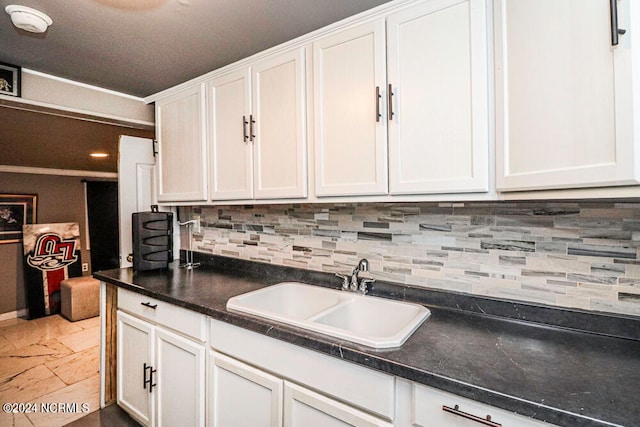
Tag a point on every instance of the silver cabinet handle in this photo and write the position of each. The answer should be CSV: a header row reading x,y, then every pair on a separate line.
x,y
251,123
245,137
390,95
378,96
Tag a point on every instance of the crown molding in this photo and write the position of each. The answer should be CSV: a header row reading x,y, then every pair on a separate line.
x,y
58,172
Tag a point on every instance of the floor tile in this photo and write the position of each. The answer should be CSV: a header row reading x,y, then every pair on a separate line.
x,y
81,340
11,322
5,344
49,361
14,420
28,385
93,322
78,366
24,334
16,329
15,361
70,403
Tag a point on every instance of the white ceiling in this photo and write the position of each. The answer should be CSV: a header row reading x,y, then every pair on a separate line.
x,y
141,47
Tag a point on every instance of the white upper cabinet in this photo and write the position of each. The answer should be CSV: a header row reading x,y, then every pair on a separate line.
x,y
564,95
231,162
257,130
350,126
437,97
182,146
279,124
414,84
400,104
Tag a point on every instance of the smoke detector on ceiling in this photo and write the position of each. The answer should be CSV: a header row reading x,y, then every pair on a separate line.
x,y
28,19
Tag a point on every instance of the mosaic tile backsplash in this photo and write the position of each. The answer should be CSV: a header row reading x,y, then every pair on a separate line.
x,y
569,254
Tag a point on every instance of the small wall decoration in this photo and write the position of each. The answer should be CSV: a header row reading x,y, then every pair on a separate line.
x,y
10,79
16,210
52,254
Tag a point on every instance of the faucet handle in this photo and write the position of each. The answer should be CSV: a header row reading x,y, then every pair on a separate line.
x,y
364,288
345,280
363,265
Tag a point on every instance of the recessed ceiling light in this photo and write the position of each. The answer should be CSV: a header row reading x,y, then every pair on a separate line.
x,y
99,155
28,19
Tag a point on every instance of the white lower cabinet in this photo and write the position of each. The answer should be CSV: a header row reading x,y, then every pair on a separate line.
x,y
135,349
433,407
240,395
261,381
180,366
303,407
253,380
161,374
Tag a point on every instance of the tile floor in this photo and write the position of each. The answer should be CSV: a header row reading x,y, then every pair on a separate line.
x,y
50,364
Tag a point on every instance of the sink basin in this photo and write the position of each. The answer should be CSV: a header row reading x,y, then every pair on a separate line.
x,y
371,321
288,300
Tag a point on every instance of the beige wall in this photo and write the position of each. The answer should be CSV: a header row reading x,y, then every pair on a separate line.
x,y
60,199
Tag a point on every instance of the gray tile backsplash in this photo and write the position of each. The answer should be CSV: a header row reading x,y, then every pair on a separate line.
x,y
568,254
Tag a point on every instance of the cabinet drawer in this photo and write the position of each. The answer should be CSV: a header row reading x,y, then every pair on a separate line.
x,y
428,410
170,316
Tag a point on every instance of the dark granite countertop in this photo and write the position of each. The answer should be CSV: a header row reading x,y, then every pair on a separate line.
x,y
556,374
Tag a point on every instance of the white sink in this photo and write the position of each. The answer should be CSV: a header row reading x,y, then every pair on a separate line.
x,y
288,300
367,320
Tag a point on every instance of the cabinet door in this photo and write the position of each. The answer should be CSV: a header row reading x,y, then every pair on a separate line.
x,y
350,136
243,396
231,160
563,95
303,407
182,160
180,365
437,72
279,111
134,351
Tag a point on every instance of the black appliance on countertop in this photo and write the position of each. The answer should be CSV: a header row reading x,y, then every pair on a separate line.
x,y
152,239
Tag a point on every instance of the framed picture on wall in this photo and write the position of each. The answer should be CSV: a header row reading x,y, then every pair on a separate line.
x,y
15,211
10,79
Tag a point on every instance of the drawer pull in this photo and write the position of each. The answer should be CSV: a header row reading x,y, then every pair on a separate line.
x,y
148,304
456,411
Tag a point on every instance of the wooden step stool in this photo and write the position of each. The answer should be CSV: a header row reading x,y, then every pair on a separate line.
x,y
80,298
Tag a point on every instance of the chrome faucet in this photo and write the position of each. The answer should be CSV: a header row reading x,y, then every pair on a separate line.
x,y
355,283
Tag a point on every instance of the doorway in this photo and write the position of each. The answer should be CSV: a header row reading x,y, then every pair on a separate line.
x,y
102,222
